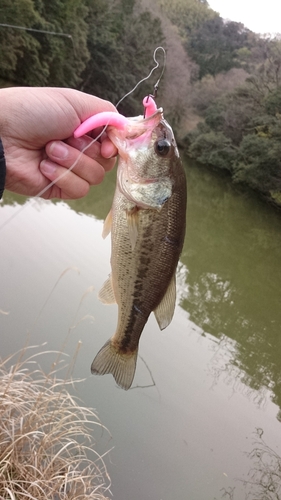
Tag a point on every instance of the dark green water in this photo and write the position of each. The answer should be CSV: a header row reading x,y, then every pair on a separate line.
x,y
217,367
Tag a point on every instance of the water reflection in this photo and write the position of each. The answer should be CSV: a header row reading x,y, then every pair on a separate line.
x,y
229,274
215,367
232,258
263,480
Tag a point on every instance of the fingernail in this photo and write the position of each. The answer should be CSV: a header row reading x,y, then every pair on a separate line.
x,y
47,167
108,150
59,150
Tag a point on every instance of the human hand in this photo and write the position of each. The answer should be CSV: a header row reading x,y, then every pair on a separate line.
x,y
36,128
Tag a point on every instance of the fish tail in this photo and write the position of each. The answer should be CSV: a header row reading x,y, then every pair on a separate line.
x,y
122,366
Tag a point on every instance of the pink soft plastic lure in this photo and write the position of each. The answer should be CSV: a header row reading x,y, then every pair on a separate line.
x,y
111,118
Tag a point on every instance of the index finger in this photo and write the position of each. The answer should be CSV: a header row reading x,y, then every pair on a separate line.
x,y
108,149
94,150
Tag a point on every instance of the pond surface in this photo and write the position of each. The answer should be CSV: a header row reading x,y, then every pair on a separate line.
x,y
216,368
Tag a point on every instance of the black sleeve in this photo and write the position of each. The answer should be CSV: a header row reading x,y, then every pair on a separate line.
x,y
2,170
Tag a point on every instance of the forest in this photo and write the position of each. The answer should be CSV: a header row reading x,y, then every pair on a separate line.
x,y
221,89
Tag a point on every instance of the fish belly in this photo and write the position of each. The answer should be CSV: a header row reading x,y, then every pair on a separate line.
x,y
141,275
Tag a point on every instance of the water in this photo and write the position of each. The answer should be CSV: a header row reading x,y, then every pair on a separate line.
x,y
216,368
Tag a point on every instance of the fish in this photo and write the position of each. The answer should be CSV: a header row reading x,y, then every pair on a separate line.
x,y
147,225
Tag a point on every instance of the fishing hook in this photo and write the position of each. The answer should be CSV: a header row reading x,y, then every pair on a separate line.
x,y
149,75
156,85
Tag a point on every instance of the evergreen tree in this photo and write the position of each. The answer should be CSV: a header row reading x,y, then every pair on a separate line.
x,y
215,45
30,57
242,130
121,43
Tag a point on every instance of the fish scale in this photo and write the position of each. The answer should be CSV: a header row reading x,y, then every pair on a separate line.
x,y
147,224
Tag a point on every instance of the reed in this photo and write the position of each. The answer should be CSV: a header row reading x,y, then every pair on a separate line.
x,y
47,448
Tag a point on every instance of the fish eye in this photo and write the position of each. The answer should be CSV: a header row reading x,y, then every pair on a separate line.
x,y
162,147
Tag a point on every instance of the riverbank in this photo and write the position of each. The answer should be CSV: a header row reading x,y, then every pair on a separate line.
x,y
47,445
272,198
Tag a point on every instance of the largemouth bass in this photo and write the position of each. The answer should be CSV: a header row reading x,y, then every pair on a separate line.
x,y
147,224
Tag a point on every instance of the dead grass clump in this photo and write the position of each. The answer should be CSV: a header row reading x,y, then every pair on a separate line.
x,y
46,439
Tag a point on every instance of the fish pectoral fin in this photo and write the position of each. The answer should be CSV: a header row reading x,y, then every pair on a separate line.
x,y
107,225
165,310
121,366
133,220
106,293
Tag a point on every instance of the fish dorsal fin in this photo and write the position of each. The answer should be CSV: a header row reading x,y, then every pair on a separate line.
x,y
106,293
165,310
107,225
133,220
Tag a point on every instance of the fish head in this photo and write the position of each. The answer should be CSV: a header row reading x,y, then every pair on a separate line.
x,y
147,153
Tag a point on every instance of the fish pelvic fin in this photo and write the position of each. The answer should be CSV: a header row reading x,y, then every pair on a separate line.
x,y
122,366
106,293
165,310
107,225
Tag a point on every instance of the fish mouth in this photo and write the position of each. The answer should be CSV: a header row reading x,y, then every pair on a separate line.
x,y
111,119
136,135
127,134
137,126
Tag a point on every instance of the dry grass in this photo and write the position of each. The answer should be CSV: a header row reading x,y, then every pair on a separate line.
x,y
46,438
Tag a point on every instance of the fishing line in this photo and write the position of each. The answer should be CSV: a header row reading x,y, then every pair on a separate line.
x,y
35,30
43,191
45,32
52,183
149,75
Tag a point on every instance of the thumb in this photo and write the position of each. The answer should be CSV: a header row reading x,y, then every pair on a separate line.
x,y
87,105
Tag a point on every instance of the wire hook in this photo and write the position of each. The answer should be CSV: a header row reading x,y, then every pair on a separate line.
x,y
156,86
149,75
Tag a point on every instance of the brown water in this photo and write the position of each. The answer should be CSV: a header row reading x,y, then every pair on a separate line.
x,y
217,367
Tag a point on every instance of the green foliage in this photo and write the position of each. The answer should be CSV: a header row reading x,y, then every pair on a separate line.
x,y
259,163
232,114
216,45
67,56
108,48
242,129
34,58
14,42
103,48
269,70
187,15
121,44
214,149
273,102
